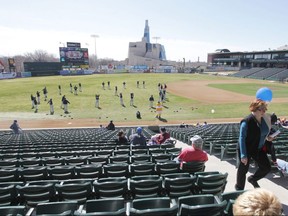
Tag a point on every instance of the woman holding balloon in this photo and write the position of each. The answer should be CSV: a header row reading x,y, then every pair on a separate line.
x,y
254,130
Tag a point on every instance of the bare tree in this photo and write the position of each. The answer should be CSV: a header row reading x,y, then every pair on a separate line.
x,y
40,56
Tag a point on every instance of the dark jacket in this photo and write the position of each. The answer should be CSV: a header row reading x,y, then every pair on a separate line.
x,y
253,135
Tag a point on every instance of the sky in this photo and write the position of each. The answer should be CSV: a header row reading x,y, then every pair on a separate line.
x,y
188,29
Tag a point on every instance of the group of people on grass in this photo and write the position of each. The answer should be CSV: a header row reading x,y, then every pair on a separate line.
x,y
35,100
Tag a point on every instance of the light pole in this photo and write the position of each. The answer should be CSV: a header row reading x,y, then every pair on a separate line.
x,y
95,36
156,39
63,44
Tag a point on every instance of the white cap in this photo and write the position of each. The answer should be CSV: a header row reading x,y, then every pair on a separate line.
x,y
197,140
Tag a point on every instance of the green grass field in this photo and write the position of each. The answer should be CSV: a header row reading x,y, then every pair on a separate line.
x,y
15,98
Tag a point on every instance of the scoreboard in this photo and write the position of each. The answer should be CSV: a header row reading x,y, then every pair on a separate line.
x,y
74,56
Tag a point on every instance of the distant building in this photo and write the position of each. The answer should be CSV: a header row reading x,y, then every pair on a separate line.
x,y
146,53
277,58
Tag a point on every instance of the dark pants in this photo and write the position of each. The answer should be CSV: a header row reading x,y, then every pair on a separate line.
x,y
263,169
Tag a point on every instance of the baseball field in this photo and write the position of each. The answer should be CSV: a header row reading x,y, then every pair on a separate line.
x,y
191,98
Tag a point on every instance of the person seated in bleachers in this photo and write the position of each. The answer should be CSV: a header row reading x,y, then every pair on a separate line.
x,y
161,137
121,139
194,152
138,138
111,126
15,127
258,201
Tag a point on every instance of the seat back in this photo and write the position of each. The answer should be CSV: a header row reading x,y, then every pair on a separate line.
x,y
211,184
88,171
142,169
108,206
34,194
146,186
230,198
111,187
9,175
119,159
98,160
193,167
179,184
140,158
116,170
13,210
79,191
161,158
61,172
33,173
153,206
208,209
60,208
8,194
203,204
167,167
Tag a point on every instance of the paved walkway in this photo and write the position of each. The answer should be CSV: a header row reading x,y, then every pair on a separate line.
x,y
272,182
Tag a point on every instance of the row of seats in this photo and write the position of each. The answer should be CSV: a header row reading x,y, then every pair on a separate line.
x,y
98,171
23,149
80,153
78,161
202,204
173,185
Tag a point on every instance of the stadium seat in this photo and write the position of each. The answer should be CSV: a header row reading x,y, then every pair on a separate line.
x,y
32,195
13,210
138,169
167,167
204,204
146,186
111,187
230,197
193,167
140,158
8,193
33,173
211,183
89,171
159,206
105,207
119,159
9,175
179,184
61,172
57,208
161,158
116,170
98,160
77,190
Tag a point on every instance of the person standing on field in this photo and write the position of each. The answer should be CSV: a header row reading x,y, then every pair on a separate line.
x,y
151,101
65,103
38,97
116,91
159,109
50,102
35,104
59,89
71,90
80,87
121,99
97,97
131,99
45,92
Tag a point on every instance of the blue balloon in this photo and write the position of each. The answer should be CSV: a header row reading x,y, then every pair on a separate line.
x,y
264,94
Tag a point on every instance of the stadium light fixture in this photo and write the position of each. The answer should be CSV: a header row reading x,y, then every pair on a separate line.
x,y
95,37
